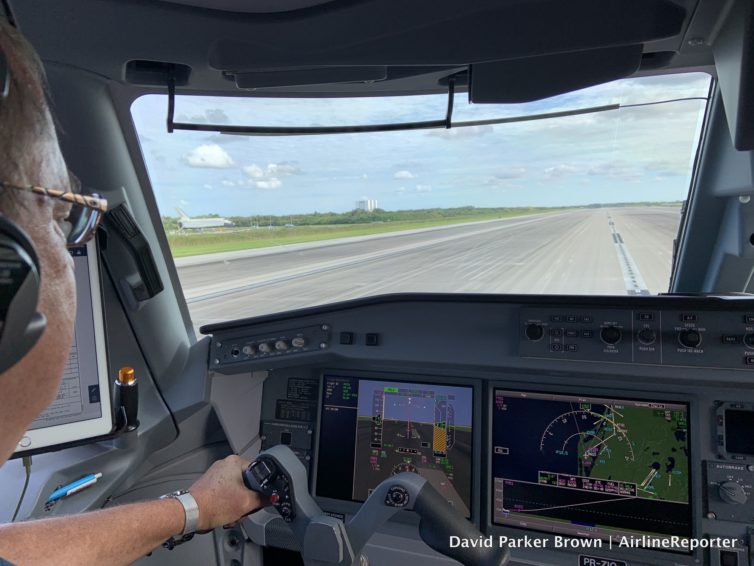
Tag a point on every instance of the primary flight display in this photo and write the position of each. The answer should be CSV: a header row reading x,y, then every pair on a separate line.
x,y
383,428
590,466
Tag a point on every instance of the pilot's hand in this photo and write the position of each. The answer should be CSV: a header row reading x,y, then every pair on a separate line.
x,y
222,496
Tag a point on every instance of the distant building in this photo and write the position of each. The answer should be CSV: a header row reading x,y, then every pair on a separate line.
x,y
367,204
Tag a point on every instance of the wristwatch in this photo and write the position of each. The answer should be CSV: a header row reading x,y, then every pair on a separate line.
x,y
191,509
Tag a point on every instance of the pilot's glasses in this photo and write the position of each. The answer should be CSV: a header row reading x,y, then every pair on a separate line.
x,y
84,213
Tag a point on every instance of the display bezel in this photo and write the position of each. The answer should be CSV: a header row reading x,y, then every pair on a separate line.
x,y
52,438
350,507
588,390
721,425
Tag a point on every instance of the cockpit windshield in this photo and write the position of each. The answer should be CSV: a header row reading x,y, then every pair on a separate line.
x,y
581,204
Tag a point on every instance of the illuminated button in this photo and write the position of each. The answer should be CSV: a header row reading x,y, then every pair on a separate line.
x,y
274,498
281,345
298,342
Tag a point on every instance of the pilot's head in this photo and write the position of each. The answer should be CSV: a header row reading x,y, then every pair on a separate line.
x,y
30,155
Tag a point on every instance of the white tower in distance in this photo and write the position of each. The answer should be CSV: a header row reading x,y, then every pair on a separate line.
x,y
366,204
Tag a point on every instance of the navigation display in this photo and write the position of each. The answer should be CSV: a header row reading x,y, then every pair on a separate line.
x,y
373,429
590,466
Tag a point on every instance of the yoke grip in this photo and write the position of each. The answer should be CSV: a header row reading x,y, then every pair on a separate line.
x,y
439,522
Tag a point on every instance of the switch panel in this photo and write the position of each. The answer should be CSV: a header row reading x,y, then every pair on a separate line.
x,y
668,337
729,491
245,348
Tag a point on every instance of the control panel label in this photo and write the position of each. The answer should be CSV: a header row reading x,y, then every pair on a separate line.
x,y
302,389
586,560
295,410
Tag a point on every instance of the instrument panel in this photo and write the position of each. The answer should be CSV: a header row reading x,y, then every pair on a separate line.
x,y
612,428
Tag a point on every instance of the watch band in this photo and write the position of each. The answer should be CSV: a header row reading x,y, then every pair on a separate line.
x,y
191,511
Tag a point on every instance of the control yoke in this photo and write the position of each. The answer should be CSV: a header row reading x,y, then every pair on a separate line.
x,y
327,541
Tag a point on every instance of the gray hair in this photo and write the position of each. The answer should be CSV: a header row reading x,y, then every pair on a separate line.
x,y
23,113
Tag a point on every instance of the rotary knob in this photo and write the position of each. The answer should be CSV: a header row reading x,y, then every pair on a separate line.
x,y
281,345
690,338
534,332
298,342
265,347
733,493
647,336
749,340
611,335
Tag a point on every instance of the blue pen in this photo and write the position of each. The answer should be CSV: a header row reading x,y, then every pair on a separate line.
x,y
74,487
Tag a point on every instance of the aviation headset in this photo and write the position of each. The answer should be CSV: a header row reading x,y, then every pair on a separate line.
x,y
20,323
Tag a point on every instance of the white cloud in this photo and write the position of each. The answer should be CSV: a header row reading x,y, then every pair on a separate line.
x,y
209,155
423,188
254,171
271,183
403,174
463,132
560,171
208,187
617,169
283,168
226,183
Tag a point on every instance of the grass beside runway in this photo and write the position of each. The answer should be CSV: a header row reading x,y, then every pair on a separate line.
x,y
189,244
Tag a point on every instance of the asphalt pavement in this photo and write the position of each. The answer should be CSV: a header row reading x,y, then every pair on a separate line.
x,y
613,251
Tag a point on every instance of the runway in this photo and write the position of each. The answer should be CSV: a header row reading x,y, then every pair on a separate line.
x,y
586,251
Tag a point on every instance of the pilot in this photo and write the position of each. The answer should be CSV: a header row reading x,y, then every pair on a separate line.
x,y
31,156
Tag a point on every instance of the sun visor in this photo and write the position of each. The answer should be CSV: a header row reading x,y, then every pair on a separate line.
x,y
450,33
266,78
733,50
534,78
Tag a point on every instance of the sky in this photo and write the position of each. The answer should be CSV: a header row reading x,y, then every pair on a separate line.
x,y
626,155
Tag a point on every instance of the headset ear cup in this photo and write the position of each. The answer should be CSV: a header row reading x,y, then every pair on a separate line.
x,y
20,323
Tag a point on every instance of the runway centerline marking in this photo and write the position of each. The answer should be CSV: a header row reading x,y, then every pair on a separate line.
x,y
632,278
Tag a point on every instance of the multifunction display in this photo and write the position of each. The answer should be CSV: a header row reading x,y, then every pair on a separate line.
x,y
373,429
590,466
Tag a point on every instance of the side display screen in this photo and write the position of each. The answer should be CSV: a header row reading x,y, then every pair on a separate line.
x,y
373,429
590,466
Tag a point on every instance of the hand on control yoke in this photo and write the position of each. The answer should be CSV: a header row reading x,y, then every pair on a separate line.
x,y
221,495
